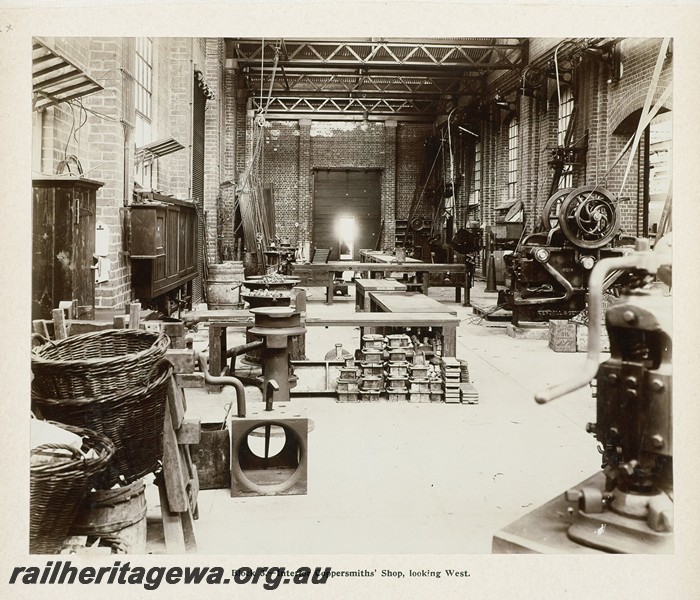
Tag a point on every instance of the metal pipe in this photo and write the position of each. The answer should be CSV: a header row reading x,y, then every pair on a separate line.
x,y
643,259
568,289
270,389
223,380
234,352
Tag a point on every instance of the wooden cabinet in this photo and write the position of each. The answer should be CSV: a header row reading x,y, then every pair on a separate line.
x,y
63,244
163,245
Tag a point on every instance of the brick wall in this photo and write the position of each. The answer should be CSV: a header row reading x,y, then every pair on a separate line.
x,y
172,98
603,108
281,172
411,156
98,138
293,149
106,152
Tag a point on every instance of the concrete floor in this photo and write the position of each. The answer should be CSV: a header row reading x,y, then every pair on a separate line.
x,y
404,478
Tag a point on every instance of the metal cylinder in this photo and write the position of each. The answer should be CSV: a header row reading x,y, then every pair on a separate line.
x,y
276,325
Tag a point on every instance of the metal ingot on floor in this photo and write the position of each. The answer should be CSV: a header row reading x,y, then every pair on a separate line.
x,y
269,457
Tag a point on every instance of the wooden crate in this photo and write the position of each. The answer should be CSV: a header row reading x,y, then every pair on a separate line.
x,y
562,335
582,339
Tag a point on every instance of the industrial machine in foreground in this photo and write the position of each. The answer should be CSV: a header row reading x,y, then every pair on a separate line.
x,y
632,510
550,268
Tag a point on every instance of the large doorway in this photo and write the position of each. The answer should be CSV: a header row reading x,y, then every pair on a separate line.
x,y
343,197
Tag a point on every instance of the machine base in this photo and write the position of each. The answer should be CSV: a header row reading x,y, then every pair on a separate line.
x,y
611,532
551,529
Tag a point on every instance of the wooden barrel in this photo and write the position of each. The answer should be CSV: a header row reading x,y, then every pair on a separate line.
x,y
117,515
223,285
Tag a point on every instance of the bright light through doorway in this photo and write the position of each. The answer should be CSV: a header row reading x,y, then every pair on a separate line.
x,y
346,236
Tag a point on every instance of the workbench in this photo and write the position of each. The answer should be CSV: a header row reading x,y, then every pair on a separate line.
x,y
406,302
364,286
376,256
323,274
443,323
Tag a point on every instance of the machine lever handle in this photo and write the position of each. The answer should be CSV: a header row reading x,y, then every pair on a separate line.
x,y
644,259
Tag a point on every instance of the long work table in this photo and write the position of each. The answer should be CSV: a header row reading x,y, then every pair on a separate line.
x,y
383,257
363,287
443,323
406,302
323,274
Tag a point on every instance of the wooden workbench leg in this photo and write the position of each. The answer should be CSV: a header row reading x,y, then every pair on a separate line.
x,y
329,289
224,348
425,283
467,285
215,354
449,340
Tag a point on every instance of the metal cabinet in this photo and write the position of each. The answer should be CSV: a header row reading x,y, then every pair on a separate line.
x,y
63,244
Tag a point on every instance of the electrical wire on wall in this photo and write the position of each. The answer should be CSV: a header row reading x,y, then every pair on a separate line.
x,y
73,134
67,159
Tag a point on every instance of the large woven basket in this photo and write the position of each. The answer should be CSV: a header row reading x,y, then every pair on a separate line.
x,y
95,364
133,420
57,488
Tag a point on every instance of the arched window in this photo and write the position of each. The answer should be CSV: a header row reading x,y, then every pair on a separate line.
x,y
512,158
566,107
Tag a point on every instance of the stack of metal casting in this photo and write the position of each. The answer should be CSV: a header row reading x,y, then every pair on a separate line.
x,y
398,348
372,379
348,382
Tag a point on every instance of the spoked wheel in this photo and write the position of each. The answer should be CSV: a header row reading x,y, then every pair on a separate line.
x,y
550,211
588,217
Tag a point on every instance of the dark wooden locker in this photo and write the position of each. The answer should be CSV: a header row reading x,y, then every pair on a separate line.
x,y
162,244
63,244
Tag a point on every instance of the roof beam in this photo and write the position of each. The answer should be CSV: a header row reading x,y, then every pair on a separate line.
x,y
344,105
314,116
304,85
429,54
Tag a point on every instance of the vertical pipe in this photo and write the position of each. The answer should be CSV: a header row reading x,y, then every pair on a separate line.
x,y
645,182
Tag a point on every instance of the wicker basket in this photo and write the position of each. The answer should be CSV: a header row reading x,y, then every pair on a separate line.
x,y
91,365
57,488
133,420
